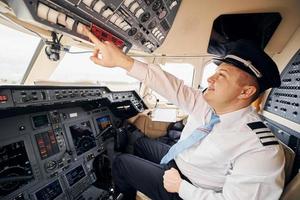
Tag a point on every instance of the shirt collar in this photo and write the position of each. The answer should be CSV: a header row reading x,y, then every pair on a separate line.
x,y
228,119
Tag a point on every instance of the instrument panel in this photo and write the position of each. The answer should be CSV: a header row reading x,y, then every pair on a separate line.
x,y
75,175
284,101
14,164
48,147
143,23
50,191
47,144
36,96
82,136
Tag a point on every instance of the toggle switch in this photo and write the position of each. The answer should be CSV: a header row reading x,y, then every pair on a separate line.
x,y
119,21
42,11
125,48
123,24
114,18
69,23
128,2
173,4
98,6
157,33
154,30
133,7
125,28
107,13
88,2
139,12
61,20
80,28
52,16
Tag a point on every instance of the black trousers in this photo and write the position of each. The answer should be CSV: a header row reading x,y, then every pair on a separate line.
x,y
143,172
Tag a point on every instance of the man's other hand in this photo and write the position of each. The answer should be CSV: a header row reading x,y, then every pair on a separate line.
x,y
172,180
107,54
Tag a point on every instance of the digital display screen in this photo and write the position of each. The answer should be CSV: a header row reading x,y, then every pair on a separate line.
x,y
83,137
47,144
75,175
49,192
14,165
103,122
40,121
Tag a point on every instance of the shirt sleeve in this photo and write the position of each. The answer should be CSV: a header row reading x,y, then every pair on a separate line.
x,y
257,175
166,85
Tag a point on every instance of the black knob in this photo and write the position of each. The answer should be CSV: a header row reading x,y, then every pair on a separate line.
x,y
145,17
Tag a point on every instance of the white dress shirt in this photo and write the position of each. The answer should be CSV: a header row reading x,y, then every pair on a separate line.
x,y
234,161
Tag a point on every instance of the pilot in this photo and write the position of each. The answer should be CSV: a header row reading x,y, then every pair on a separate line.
x,y
225,150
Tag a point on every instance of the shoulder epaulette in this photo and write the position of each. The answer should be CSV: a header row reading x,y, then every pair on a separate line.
x,y
266,137
257,125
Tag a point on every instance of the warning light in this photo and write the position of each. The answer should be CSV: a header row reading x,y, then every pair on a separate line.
x,y
103,35
3,98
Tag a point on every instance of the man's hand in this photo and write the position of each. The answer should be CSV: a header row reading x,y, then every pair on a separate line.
x,y
172,180
111,55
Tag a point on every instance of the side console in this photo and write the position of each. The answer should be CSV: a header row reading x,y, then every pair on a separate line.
x,y
283,107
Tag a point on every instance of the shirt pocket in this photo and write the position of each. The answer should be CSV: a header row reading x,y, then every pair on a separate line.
x,y
209,155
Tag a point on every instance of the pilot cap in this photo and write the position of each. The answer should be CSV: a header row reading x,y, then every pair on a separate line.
x,y
253,60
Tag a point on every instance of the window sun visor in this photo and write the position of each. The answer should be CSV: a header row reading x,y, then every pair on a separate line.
x,y
258,27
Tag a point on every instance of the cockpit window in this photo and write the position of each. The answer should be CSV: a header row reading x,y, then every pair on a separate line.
x,y
17,49
183,71
78,68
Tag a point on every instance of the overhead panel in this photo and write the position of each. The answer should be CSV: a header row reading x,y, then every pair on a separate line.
x,y
142,23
